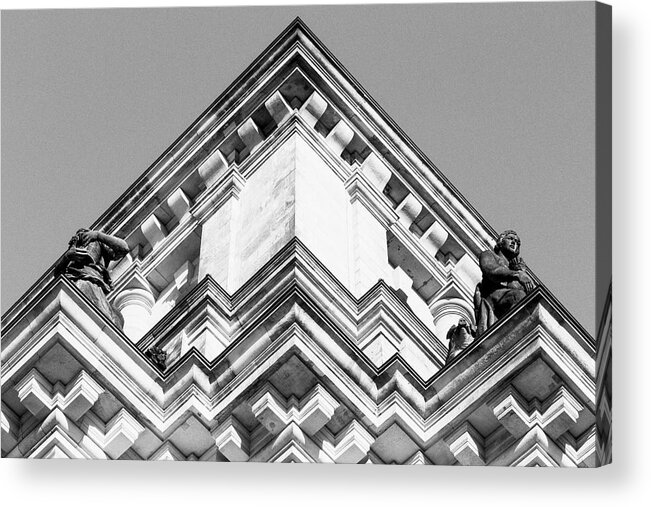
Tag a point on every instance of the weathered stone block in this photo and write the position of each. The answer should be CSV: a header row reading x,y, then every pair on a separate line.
x,y
232,439
179,203
278,108
154,231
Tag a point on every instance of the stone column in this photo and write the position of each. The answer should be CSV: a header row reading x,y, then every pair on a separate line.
x,y
447,312
136,305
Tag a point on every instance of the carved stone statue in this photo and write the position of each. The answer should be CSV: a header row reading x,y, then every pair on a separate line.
x,y
504,281
158,357
86,261
460,336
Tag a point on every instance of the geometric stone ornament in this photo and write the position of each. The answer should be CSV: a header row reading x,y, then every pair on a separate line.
x,y
232,439
212,168
58,445
167,452
535,448
467,445
291,445
75,399
311,413
582,450
418,458
434,237
394,445
117,435
534,457
191,437
350,445
379,348
57,436
555,415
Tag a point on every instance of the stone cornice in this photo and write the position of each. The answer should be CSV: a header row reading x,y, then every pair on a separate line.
x,y
298,50
446,397
298,47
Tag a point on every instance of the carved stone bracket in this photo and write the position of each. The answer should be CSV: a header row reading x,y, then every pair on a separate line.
x,y
555,415
339,137
118,435
377,172
75,399
467,445
313,411
232,439
313,108
278,108
351,444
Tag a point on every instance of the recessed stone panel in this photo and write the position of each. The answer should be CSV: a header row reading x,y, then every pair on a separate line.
x,y
394,445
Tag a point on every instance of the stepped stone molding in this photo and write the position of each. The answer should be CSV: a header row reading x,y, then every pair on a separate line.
x,y
311,413
467,445
232,439
167,452
116,436
555,415
75,399
350,445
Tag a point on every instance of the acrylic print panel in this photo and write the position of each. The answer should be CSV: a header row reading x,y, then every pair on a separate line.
x,y
323,265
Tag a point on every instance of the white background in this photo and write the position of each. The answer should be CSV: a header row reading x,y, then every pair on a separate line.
x,y
627,481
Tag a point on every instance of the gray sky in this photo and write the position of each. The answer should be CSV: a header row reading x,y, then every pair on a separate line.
x,y
499,96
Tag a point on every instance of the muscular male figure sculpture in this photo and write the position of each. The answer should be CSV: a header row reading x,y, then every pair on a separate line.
x,y
86,262
504,281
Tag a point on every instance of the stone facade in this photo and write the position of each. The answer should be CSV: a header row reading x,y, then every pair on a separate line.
x,y
298,262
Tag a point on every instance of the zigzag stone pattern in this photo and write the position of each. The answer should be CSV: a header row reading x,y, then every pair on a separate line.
x,y
295,263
